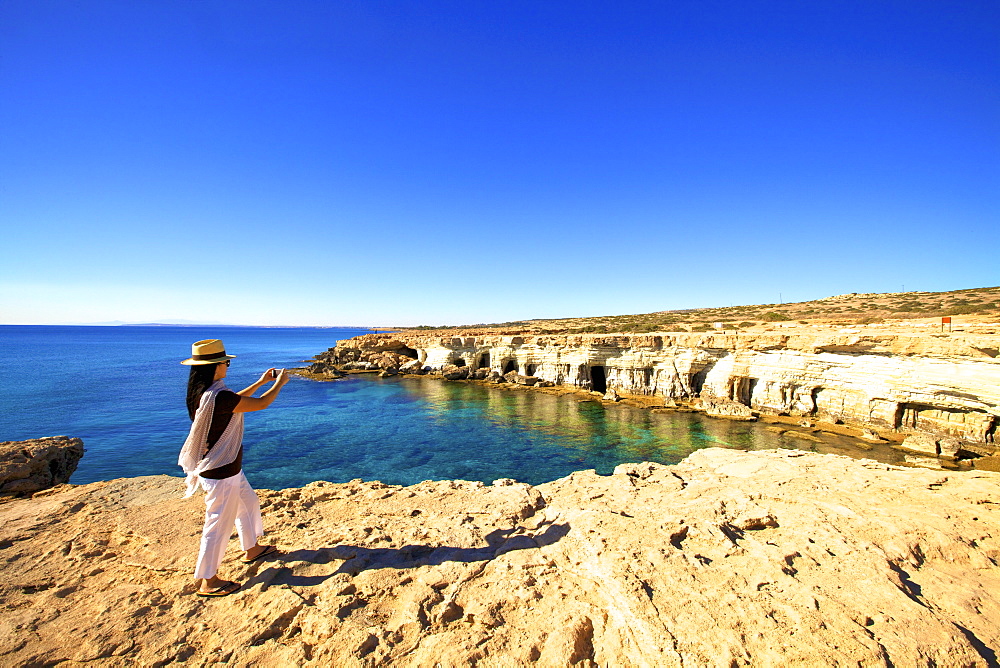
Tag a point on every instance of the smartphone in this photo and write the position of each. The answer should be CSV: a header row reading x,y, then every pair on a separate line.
x,y
275,372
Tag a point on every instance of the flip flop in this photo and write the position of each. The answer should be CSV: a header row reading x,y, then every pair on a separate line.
x,y
224,590
270,549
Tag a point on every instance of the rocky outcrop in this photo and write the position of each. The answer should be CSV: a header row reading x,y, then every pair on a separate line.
x,y
730,558
452,372
36,464
947,446
940,384
726,408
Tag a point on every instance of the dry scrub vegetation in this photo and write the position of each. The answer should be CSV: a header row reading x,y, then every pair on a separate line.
x,y
974,304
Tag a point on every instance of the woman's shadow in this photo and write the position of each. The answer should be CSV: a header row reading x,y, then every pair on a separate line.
x,y
356,559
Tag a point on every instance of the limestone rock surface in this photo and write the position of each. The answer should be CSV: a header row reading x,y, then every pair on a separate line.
x,y
413,366
767,558
452,372
721,407
932,445
36,464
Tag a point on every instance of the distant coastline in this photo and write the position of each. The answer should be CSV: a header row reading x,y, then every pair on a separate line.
x,y
193,324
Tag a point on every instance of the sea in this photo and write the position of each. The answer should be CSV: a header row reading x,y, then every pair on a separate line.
x,y
121,389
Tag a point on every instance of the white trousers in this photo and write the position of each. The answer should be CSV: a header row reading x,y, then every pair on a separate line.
x,y
227,501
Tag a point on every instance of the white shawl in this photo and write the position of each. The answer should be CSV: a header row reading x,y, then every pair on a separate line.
x,y
193,458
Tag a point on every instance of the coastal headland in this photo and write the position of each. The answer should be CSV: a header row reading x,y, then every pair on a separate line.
x,y
935,393
729,558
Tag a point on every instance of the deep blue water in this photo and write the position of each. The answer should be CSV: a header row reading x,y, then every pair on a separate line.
x,y
121,389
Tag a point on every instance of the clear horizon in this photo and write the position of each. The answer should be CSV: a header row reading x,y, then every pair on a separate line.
x,y
190,323
314,163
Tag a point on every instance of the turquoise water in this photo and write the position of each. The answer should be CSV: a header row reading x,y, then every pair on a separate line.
x,y
121,389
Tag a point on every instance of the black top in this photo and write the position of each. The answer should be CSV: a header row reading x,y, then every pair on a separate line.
x,y
225,403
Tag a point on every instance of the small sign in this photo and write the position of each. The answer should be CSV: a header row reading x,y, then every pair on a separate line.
x,y
946,320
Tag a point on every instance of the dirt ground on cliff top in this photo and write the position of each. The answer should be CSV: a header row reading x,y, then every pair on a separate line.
x,y
975,310
770,558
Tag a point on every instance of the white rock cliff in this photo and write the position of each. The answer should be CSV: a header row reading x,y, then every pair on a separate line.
x,y
947,385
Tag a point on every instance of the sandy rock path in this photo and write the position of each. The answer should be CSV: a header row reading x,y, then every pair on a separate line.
x,y
727,559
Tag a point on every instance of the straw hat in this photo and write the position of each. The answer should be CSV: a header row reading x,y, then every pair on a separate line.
x,y
209,351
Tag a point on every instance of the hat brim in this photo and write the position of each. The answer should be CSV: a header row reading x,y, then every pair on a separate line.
x,y
215,360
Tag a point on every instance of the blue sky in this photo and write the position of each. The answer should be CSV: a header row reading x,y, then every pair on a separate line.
x,y
329,163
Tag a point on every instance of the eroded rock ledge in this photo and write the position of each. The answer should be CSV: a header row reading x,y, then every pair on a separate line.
x,y
36,464
946,385
729,558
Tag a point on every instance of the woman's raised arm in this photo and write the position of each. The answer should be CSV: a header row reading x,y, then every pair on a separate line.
x,y
249,403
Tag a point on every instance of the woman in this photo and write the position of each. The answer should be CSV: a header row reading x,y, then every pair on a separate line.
x,y
212,457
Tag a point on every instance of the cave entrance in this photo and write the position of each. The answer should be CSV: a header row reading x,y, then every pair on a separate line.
x,y
743,390
460,362
408,352
698,381
598,379
484,361
815,399
530,370
908,415
510,365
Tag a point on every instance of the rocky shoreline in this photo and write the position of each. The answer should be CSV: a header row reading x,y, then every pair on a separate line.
x,y
729,558
933,394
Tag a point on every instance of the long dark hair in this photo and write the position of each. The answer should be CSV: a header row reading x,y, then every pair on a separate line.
x,y
201,377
